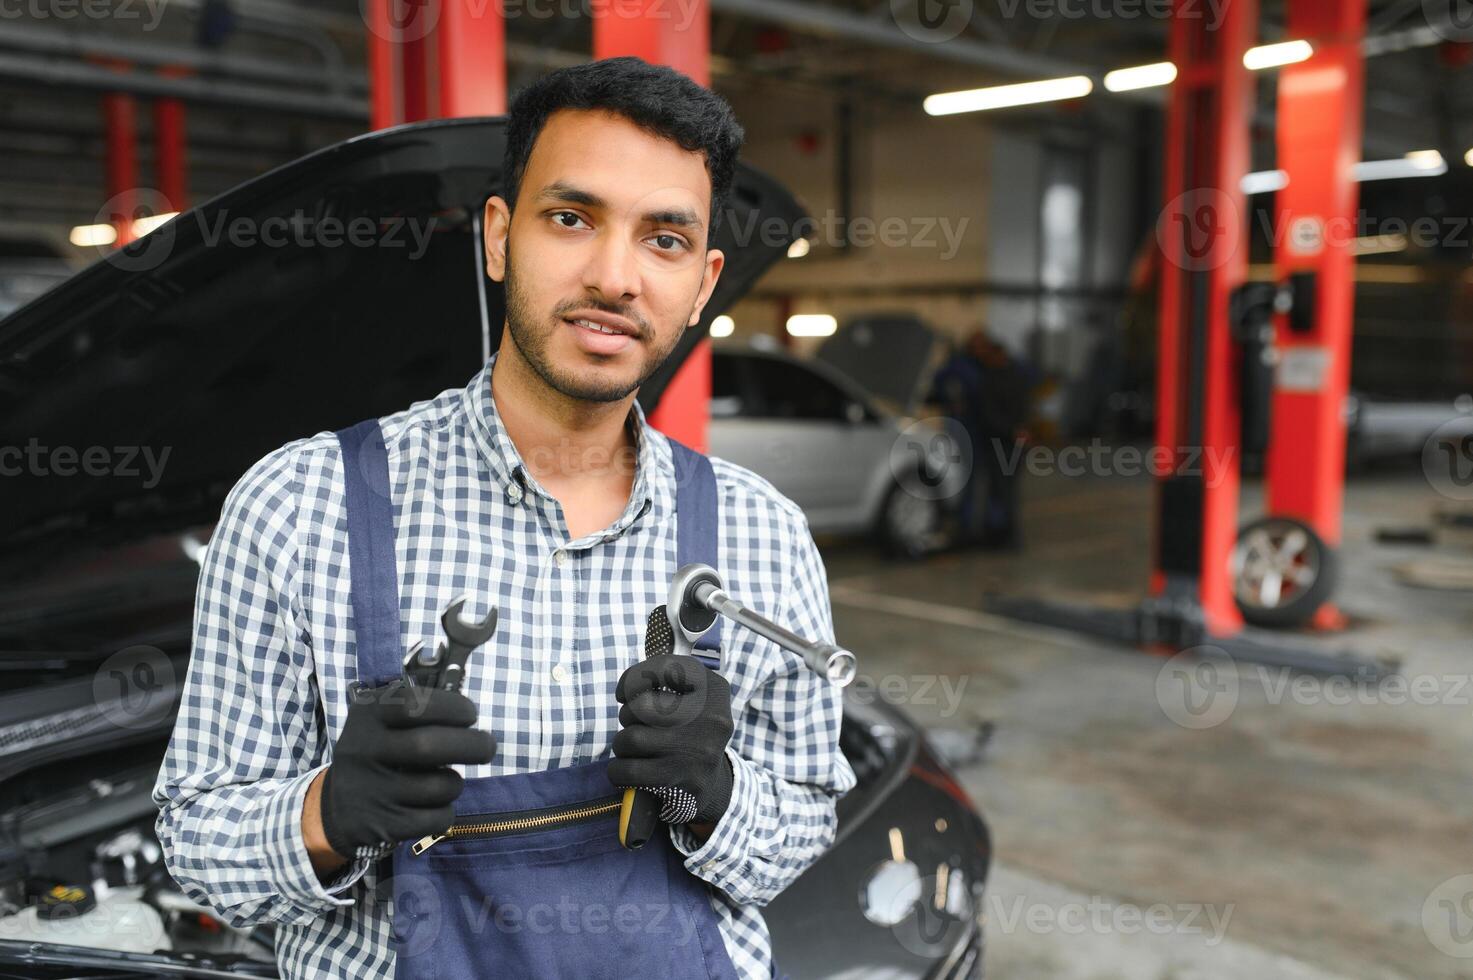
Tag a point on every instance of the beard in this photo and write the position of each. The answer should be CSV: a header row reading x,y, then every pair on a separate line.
x,y
532,337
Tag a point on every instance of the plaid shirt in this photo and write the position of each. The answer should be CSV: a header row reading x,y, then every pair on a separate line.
x,y
265,695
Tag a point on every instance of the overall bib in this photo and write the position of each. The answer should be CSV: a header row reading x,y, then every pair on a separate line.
x,y
531,883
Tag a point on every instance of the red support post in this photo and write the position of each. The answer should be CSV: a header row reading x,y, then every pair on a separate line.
x,y
170,149
677,35
471,42
414,63
1320,104
1203,237
383,83
120,119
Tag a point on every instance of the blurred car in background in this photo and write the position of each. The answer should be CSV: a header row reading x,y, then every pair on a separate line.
x,y
850,459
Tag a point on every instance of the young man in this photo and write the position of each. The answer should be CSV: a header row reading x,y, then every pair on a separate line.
x,y
538,489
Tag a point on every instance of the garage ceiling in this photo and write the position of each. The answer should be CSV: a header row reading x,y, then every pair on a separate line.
x,y
284,78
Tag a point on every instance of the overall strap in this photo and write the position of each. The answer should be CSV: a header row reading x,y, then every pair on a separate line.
x,y
696,520
374,577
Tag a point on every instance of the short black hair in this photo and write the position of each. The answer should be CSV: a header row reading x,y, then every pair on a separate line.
x,y
657,98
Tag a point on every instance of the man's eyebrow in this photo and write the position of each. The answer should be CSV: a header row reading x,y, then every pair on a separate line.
x,y
566,193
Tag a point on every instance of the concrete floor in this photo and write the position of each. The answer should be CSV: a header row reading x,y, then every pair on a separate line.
x,y
1301,836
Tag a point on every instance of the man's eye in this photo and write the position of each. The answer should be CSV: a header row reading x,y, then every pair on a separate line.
x,y
670,243
558,215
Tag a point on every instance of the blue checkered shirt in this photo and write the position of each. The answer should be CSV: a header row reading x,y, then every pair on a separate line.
x,y
265,695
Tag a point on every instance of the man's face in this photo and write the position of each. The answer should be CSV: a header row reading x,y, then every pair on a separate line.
x,y
612,222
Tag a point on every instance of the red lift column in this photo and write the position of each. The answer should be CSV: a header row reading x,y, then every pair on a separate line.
x,y
1203,237
471,43
648,29
435,59
171,159
120,119
1319,143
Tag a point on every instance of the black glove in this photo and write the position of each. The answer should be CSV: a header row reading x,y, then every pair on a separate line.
x,y
390,778
676,721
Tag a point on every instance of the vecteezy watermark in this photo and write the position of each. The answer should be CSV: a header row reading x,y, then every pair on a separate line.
x,y
911,690
1447,458
932,458
1451,20
133,686
1209,11
299,229
412,20
101,925
932,232
1202,687
1447,917
422,913
1198,688
35,459
932,21
1200,229
1100,916
1100,459
150,12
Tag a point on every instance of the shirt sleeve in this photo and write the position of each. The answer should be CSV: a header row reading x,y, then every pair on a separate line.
x,y
246,742
787,768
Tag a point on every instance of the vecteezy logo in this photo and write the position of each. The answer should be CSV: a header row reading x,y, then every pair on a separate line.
x,y
144,252
1447,458
1447,917
404,20
939,915
1200,229
133,685
1451,20
418,913
931,463
931,21
1198,688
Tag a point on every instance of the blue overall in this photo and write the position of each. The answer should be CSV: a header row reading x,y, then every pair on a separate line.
x,y
539,904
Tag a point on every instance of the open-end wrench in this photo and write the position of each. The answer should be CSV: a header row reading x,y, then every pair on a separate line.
x,y
445,668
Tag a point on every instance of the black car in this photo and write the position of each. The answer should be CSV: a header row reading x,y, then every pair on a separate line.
x,y
134,395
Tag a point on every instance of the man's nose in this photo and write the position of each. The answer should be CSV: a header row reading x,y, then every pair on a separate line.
x,y
613,270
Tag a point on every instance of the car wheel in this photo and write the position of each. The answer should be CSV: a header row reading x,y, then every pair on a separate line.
x,y
909,524
1282,572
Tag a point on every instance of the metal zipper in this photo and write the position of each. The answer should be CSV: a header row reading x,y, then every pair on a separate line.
x,y
514,824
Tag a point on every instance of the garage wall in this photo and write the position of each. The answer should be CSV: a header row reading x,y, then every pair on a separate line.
x,y
979,178
922,184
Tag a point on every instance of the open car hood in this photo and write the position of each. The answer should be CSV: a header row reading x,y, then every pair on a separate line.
x,y
890,355
345,285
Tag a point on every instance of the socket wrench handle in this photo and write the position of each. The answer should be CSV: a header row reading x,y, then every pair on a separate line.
x,y
697,597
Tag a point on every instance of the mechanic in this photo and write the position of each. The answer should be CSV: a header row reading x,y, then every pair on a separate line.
x,y
291,786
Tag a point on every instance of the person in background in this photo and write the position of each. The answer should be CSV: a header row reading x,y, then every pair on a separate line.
x,y
985,389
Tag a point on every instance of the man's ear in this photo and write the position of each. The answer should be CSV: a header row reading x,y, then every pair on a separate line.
x,y
495,227
715,259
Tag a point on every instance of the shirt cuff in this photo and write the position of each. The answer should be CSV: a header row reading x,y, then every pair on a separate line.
x,y
286,852
722,858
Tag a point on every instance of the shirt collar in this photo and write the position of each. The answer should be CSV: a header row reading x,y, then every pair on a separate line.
x,y
508,470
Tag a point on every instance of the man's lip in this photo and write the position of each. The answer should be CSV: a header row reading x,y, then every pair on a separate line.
x,y
605,320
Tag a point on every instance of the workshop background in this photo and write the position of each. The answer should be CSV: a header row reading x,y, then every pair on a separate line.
x,y
1123,365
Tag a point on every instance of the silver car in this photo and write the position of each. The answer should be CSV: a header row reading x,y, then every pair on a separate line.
x,y
854,464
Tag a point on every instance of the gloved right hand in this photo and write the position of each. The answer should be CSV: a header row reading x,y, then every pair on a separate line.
x,y
390,778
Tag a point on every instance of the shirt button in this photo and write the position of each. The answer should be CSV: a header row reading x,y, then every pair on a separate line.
x,y
514,492
559,673
709,867
560,556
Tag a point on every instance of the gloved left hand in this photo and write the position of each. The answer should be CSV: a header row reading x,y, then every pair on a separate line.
x,y
676,721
